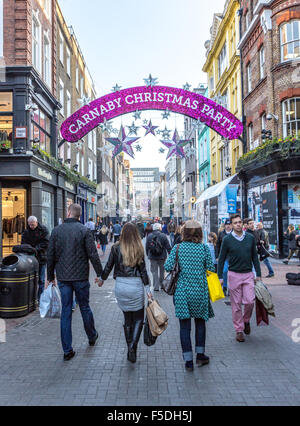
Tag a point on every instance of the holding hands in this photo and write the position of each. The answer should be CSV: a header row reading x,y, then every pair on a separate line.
x,y
99,281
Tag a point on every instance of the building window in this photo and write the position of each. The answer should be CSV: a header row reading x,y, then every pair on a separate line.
x,y
47,60
61,48
290,40
249,74
69,154
250,135
222,60
36,43
69,105
68,62
262,62
77,78
81,86
46,5
62,96
90,169
82,165
95,172
41,130
247,20
291,117
263,121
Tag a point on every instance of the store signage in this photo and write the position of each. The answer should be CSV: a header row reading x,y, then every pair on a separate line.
x,y
81,192
127,101
69,186
20,132
231,193
44,174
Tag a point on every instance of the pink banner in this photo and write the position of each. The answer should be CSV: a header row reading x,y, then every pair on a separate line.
x,y
151,98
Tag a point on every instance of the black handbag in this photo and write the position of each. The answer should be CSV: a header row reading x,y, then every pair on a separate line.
x,y
263,253
149,339
170,282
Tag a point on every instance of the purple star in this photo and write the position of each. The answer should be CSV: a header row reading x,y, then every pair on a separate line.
x,y
175,146
122,143
150,128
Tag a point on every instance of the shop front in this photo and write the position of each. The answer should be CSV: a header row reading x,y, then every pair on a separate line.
x,y
81,199
92,205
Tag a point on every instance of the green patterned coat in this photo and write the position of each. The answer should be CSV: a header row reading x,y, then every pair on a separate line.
x,y
192,298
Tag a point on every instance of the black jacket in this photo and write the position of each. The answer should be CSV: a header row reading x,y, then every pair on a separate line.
x,y
115,261
141,229
71,247
177,239
39,239
292,242
103,238
221,236
163,239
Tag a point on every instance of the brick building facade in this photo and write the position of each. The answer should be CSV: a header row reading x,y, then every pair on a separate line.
x,y
270,57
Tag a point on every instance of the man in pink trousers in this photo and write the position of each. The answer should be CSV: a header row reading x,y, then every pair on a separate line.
x,y
240,248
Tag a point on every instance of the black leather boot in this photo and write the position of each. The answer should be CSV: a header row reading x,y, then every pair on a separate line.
x,y
128,329
137,330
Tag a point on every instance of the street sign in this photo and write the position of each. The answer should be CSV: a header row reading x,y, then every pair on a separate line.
x,y
193,200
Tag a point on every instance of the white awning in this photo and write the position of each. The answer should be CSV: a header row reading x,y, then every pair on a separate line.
x,y
215,191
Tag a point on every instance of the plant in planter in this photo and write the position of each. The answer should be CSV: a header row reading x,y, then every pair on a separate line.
x,y
5,146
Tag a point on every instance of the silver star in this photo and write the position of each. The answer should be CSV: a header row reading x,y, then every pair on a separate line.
x,y
166,133
198,125
145,122
106,126
115,131
150,128
187,86
150,81
138,148
133,129
116,88
122,143
137,115
166,114
161,151
84,101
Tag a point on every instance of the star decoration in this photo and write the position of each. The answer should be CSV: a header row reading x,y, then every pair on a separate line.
x,y
106,126
150,128
166,133
84,101
138,148
137,115
116,88
150,81
122,143
145,122
175,146
187,86
166,114
198,125
115,131
133,129
105,149
161,151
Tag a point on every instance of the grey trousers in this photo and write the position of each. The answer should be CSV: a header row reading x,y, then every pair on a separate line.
x,y
158,272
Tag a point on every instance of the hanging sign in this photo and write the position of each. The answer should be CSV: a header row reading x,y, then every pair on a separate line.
x,y
163,98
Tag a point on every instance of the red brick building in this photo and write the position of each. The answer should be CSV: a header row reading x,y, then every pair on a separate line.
x,y
270,53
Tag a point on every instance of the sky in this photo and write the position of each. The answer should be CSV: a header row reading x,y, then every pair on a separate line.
x,y
123,41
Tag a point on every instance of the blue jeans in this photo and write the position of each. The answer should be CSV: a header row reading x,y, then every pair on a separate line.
x,y
269,266
82,292
42,276
225,274
103,248
185,337
172,238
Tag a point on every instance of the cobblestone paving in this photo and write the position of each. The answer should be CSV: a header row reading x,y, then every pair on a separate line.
x,y
265,370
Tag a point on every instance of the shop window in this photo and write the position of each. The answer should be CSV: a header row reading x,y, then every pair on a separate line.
x,y
41,131
47,210
6,102
291,117
6,132
290,40
13,218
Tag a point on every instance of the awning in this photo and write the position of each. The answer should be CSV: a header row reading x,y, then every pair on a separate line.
x,y
215,191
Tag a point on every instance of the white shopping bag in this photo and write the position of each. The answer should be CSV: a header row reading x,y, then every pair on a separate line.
x,y
50,303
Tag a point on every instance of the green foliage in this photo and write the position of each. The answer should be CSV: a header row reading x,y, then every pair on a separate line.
x,y
5,145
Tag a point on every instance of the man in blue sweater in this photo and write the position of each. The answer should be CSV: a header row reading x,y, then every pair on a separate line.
x,y
240,248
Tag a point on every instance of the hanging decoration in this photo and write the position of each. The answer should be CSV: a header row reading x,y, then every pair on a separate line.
x,y
166,115
150,128
175,145
106,149
166,134
84,101
161,151
198,125
122,143
116,88
187,86
138,148
106,126
150,81
133,129
137,115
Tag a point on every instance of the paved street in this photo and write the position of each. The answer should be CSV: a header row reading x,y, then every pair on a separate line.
x,y
263,371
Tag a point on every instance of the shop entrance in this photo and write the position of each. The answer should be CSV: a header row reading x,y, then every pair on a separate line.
x,y
13,218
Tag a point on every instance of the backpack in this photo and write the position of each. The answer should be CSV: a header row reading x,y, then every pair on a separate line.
x,y
155,247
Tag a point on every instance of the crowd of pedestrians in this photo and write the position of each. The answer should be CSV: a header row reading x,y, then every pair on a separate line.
x,y
235,254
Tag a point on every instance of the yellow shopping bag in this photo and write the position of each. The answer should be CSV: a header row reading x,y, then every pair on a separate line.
x,y
214,287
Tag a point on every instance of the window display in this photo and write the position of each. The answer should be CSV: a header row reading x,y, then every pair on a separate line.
x,y
47,210
13,218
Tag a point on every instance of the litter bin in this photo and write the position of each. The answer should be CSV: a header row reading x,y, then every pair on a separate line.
x,y
19,274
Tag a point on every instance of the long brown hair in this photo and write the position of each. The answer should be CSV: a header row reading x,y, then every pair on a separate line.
x,y
131,246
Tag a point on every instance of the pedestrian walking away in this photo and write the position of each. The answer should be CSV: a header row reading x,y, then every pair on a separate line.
x,y
191,298
177,236
148,230
140,227
127,260
222,234
117,231
212,242
157,250
71,248
263,243
291,235
103,239
171,230
37,236
240,249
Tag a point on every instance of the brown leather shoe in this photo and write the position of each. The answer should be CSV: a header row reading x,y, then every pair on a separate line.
x,y
247,329
240,337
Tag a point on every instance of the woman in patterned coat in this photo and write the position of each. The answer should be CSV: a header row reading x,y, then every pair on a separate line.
x,y
192,298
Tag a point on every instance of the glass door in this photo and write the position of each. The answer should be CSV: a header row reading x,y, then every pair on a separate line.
x,y
13,218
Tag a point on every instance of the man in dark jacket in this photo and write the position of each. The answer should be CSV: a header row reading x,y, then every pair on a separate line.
x,y
37,236
71,247
157,250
